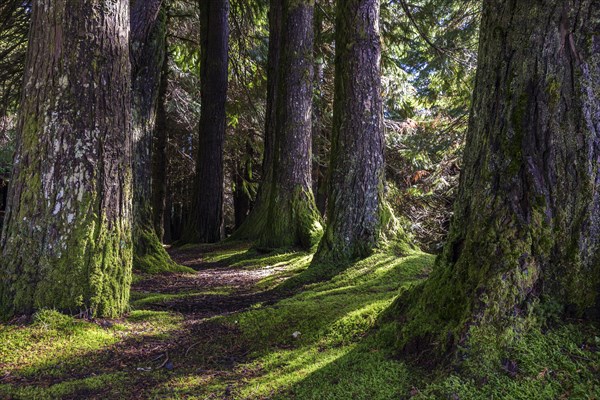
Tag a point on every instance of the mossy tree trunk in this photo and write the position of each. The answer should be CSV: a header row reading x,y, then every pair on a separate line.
x,y
148,54
292,215
357,213
526,224
254,224
66,243
206,220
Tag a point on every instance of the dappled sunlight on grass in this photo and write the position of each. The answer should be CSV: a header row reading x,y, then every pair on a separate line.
x,y
56,345
139,299
331,318
283,368
115,384
242,332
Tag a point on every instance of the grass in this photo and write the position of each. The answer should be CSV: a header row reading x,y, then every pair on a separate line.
x,y
322,340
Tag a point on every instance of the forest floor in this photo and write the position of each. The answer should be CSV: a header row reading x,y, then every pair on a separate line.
x,y
249,325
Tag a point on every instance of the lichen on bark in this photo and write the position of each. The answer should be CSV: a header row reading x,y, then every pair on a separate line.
x,y
66,242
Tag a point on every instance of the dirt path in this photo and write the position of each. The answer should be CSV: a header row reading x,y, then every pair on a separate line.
x,y
199,346
238,283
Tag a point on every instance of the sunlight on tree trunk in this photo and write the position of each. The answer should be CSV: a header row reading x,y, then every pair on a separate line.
x,y
525,233
66,242
357,216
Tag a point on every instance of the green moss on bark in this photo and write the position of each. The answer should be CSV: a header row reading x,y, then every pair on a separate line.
x,y
151,257
89,273
293,220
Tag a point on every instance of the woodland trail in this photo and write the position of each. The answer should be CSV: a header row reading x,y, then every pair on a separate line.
x,y
201,345
151,351
239,285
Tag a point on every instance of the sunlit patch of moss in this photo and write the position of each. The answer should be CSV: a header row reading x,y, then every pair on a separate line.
x,y
303,334
95,386
50,339
140,300
150,257
55,344
224,254
284,368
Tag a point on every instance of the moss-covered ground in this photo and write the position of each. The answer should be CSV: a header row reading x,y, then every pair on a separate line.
x,y
239,328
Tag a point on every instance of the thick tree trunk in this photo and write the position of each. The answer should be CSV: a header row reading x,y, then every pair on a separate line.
x,y
254,224
206,222
526,223
66,242
357,213
292,217
148,53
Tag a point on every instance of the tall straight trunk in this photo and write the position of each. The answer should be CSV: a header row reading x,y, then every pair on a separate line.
x,y
206,220
66,242
3,198
357,213
319,135
160,164
167,218
148,53
242,199
292,216
254,224
526,226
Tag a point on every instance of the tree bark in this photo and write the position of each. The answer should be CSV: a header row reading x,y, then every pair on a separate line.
x,y
293,218
242,199
357,213
319,134
254,224
160,156
206,222
66,242
526,228
148,54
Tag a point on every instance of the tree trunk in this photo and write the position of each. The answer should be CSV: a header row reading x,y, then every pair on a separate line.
x,y
3,197
206,220
160,156
357,213
66,242
242,199
148,45
526,228
254,224
293,218
319,135
168,218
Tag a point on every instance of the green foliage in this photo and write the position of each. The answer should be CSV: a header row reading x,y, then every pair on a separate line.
x,y
428,69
